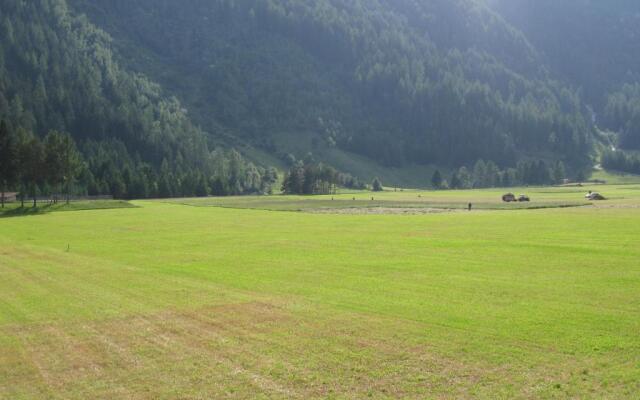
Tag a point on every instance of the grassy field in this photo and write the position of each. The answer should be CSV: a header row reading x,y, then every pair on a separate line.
x,y
227,298
16,210
489,199
613,177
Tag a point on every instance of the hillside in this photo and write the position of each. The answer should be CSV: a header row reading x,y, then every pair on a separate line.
x,y
399,82
59,72
377,87
599,53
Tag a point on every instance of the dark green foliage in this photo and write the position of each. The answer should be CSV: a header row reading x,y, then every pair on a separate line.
x,y
622,114
316,178
456,182
487,174
428,82
43,168
444,82
59,72
54,166
62,160
621,161
376,185
592,44
310,178
465,177
33,168
112,172
8,160
436,180
558,172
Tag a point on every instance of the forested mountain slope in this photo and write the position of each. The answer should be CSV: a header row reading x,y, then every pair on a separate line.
x,y
593,45
401,82
59,72
149,88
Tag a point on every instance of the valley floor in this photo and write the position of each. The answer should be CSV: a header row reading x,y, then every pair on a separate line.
x,y
244,298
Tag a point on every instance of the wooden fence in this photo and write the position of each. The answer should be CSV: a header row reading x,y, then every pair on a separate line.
x,y
60,197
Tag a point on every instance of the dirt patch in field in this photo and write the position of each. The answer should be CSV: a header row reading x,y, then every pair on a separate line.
x,y
382,211
251,350
605,204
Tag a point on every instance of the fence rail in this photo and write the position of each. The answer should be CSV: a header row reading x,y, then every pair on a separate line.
x,y
16,198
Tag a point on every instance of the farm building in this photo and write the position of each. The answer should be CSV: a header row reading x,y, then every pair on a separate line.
x,y
10,197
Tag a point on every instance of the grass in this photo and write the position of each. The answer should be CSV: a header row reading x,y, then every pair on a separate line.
x,y
16,210
613,177
169,300
488,199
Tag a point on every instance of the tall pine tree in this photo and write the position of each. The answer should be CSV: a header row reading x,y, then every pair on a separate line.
x,y
8,162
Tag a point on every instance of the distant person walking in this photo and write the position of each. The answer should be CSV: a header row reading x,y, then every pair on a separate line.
x,y
470,206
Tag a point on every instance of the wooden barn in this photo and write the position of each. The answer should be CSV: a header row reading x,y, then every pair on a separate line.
x,y
10,197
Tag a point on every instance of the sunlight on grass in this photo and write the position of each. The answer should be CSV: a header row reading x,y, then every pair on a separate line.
x,y
167,300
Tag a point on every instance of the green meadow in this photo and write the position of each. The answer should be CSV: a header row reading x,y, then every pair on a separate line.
x,y
17,210
309,297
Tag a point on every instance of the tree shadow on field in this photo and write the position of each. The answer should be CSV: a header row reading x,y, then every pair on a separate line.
x,y
25,211
15,210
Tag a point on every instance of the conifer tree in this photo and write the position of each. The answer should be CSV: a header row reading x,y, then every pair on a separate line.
x,y
8,160
377,185
436,180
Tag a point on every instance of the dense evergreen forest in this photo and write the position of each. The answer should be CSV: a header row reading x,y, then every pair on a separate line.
x,y
592,45
164,98
58,72
621,161
401,82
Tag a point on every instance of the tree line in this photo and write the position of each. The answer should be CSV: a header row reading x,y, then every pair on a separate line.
x,y
110,170
486,174
35,166
54,165
622,114
308,177
621,161
398,100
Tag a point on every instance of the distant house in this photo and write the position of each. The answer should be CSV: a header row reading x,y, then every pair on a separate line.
x,y
10,197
